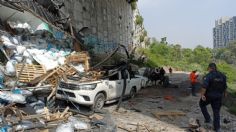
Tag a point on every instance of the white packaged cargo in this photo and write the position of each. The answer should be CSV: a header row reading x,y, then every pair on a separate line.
x,y
7,42
68,127
1,79
77,124
12,98
10,68
20,49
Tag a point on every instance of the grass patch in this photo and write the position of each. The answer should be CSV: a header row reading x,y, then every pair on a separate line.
x,y
232,90
229,102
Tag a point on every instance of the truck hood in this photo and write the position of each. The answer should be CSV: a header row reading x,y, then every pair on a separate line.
x,y
82,83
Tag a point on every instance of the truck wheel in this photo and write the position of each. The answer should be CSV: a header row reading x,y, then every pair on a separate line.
x,y
132,93
99,101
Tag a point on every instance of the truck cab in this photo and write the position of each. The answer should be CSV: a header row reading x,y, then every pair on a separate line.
x,y
97,93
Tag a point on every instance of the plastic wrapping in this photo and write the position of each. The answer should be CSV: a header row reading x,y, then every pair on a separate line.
x,y
38,103
20,49
18,24
8,97
78,124
67,127
38,106
107,124
24,125
6,128
18,58
79,68
7,42
10,68
21,91
1,79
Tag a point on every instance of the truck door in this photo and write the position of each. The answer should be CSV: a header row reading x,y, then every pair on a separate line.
x,y
115,84
128,83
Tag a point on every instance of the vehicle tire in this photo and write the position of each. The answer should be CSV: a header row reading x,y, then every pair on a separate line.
x,y
99,101
132,93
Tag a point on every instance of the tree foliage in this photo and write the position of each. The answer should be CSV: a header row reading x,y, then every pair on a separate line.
x,y
139,20
141,38
227,54
133,4
161,54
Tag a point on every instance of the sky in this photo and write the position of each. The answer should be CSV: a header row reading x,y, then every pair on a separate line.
x,y
185,22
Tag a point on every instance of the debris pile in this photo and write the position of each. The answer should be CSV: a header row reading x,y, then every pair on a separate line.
x,y
32,62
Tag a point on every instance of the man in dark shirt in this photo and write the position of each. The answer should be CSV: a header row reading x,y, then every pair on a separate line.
x,y
214,88
162,75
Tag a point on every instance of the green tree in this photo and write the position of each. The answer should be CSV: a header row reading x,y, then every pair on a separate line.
x,y
202,55
227,54
139,20
232,47
133,4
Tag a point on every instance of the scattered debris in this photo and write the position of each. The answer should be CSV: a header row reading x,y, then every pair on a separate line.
x,y
226,121
169,114
136,110
168,97
34,58
194,123
96,117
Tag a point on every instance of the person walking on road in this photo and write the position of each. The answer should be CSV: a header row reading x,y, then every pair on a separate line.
x,y
162,75
213,90
193,78
170,70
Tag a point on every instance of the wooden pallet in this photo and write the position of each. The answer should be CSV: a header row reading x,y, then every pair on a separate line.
x,y
29,72
81,57
53,76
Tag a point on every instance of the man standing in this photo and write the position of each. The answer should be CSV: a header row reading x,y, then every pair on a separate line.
x,y
214,88
170,70
193,78
162,75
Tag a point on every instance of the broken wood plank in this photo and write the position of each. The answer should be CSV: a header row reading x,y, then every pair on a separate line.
x,y
137,127
30,117
5,54
147,128
64,112
96,116
124,129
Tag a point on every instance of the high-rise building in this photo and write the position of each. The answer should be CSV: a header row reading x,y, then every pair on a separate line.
x,y
224,32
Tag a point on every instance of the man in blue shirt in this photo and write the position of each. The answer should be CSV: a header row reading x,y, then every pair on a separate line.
x,y
214,88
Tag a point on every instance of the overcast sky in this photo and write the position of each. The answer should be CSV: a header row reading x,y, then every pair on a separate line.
x,y
185,22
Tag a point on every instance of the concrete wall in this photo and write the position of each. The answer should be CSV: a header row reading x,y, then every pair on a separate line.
x,y
110,22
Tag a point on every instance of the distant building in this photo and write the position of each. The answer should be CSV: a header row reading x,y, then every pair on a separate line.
x,y
224,32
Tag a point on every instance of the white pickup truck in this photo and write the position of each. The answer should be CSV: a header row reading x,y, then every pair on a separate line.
x,y
97,93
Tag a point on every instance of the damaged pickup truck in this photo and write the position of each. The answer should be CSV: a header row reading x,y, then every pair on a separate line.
x,y
97,93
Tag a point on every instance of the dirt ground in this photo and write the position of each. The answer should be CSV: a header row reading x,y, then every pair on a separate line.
x,y
137,114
